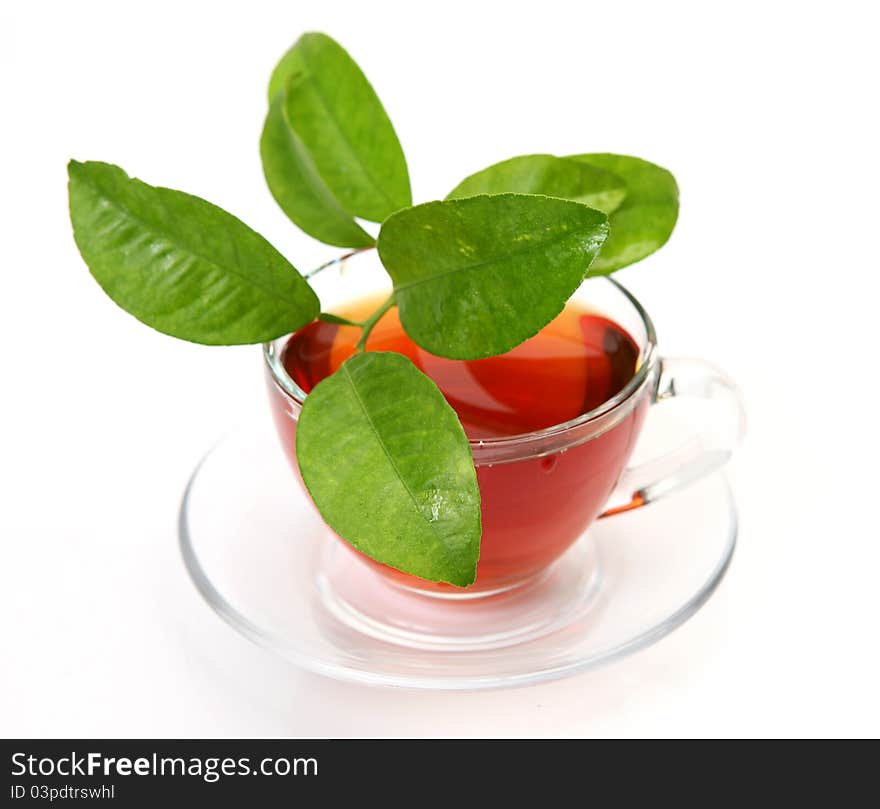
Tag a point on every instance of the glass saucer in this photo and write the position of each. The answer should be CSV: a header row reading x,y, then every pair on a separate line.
x,y
263,560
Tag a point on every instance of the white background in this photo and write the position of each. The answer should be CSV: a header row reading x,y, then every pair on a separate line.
x,y
764,111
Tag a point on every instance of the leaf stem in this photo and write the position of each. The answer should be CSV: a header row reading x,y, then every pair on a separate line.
x,y
372,320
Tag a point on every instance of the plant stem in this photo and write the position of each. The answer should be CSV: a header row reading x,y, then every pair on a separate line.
x,y
372,320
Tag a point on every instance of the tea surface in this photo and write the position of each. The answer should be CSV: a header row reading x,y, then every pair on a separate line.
x,y
575,363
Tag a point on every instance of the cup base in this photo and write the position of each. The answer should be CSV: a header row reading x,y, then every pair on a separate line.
x,y
465,593
263,560
362,599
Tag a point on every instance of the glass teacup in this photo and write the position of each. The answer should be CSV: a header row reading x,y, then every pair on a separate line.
x,y
541,490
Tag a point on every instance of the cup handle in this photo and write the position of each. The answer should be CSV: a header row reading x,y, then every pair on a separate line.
x,y
706,451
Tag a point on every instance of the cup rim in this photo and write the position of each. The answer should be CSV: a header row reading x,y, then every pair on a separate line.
x,y
649,360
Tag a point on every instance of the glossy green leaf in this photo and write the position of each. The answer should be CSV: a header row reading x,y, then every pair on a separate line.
x,y
475,277
181,264
343,126
388,465
297,187
337,320
644,220
548,175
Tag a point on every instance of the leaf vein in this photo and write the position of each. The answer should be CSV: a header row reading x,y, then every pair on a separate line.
x,y
182,245
320,95
388,455
483,264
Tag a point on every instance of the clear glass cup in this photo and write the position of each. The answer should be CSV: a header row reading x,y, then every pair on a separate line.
x,y
540,491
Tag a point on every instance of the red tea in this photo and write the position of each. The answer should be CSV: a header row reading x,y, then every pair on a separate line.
x,y
533,509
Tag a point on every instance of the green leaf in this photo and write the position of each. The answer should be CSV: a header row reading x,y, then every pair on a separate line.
x,y
388,465
644,220
181,264
548,175
343,126
336,320
475,277
297,187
